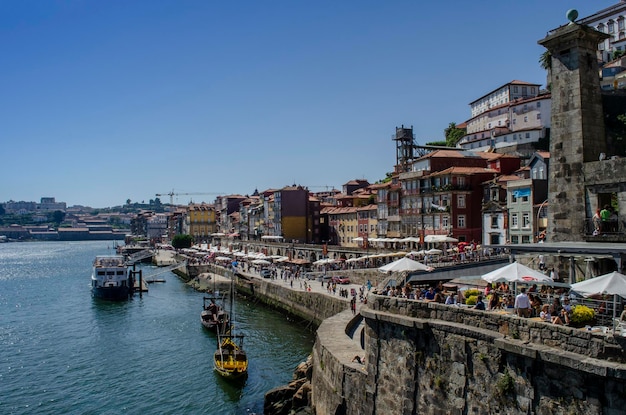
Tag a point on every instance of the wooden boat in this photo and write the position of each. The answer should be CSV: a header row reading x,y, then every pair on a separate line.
x,y
110,279
230,359
213,316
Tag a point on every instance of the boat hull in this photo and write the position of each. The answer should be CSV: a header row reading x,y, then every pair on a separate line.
x,y
232,368
111,293
214,322
109,278
230,360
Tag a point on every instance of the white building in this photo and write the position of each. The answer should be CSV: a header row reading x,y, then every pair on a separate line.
x,y
611,21
503,95
514,122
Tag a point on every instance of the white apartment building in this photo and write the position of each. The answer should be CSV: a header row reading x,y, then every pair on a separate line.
x,y
503,95
519,121
611,21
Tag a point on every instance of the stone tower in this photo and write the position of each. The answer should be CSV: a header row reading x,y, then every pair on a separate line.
x,y
577,135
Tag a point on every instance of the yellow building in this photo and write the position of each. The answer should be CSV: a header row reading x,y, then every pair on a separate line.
x,y
200,221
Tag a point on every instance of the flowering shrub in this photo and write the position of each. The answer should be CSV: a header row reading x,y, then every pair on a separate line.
x,y
581,314
472,292
471,300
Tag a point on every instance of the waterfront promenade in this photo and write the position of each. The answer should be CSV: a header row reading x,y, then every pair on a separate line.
x,y
436,345
343,329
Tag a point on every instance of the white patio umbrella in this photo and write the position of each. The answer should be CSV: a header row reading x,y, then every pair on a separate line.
x,y
324,261
222,258
613,283
405,264
410,239
434,251
261,262
439,239
515,272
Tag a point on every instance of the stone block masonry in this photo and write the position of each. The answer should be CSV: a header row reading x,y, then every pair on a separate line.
x,y
433,359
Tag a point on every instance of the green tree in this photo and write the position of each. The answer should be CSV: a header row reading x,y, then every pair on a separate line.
x,y
128,201
182,241
57,217
437,143
453,134
545,60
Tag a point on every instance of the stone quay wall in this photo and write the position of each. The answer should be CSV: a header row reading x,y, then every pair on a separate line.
x,y
310,306
431,358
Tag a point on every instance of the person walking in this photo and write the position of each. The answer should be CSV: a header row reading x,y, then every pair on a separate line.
x,y
353,305
522,304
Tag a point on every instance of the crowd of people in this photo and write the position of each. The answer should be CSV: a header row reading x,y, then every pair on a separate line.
x,y
550,304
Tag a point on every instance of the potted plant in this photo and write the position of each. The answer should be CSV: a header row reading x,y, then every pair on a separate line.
x,y
582,316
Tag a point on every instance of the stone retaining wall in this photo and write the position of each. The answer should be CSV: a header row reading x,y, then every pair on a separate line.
x,y
310,306
434,359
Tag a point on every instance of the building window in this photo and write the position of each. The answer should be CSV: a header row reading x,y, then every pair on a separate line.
x,y
526,220
515,89
611,26
525,239
538,104
527,135
514,119
514,239
620,23
460,201
494,221
538,115
525,118
513,198
461,181
460,220
514,224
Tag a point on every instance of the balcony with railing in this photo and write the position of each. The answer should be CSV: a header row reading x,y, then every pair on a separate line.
x,y
610,231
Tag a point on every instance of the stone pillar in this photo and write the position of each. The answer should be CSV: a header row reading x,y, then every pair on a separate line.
x,y
577,135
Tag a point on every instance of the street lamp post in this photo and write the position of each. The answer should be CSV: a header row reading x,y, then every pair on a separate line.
x,y
537,222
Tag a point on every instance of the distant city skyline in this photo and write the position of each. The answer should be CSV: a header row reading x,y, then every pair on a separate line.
x,y
108,101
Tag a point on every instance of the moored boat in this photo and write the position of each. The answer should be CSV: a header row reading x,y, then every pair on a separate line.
x,y
110,279
213,316
230,359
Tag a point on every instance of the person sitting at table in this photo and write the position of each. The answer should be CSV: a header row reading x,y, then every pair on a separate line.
x,y
555,308
494,301
565,315
549,318
508,302
450,298
479,303
535,303
430,294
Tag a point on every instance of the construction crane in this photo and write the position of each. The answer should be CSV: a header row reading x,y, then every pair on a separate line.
x,y
172,194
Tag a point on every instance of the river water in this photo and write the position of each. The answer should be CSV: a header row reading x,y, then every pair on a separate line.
x,y
63,352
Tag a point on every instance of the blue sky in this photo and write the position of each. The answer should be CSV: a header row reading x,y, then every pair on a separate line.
x,y
104,101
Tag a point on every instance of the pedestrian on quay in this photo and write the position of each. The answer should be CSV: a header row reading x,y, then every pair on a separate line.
x,y
353,305
522,304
